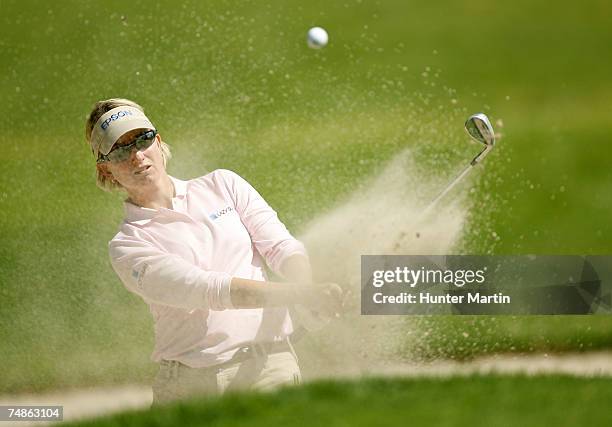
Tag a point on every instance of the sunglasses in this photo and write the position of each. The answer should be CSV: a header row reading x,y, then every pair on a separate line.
x,y
122,153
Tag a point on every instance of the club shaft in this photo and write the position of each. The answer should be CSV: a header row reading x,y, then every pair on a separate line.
x,y
423,215
454,182
443,193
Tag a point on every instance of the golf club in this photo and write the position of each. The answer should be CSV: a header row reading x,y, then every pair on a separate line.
x,y
480,129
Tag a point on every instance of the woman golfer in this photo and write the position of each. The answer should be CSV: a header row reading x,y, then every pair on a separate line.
x,y
195,252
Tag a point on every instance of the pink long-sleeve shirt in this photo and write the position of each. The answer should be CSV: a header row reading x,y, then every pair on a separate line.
x,y
181,261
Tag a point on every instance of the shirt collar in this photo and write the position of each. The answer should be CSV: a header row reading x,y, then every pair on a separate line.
x,y
140,215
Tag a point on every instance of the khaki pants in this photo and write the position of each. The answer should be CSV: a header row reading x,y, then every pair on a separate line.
x,y
262,373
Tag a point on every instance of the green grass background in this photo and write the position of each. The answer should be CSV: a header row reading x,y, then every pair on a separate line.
x,y
462,401
232,84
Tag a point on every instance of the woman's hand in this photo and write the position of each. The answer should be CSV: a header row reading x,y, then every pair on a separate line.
x,y
324,299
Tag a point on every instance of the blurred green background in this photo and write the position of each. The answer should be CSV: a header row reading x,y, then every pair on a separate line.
x,y
491,401
232,84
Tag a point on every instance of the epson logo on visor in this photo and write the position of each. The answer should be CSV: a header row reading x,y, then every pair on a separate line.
x,y
114,117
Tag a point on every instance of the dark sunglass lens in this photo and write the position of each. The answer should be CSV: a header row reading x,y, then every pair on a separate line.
x,y
143,144
119,154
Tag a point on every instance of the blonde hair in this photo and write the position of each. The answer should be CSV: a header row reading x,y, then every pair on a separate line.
x,y
103,181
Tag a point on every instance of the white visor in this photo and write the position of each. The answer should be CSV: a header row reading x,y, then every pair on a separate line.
x,y
115,123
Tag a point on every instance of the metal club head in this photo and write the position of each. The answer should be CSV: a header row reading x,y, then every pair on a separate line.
x,y
480,129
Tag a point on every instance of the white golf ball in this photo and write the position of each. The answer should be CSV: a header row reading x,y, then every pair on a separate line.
x,y
317,38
